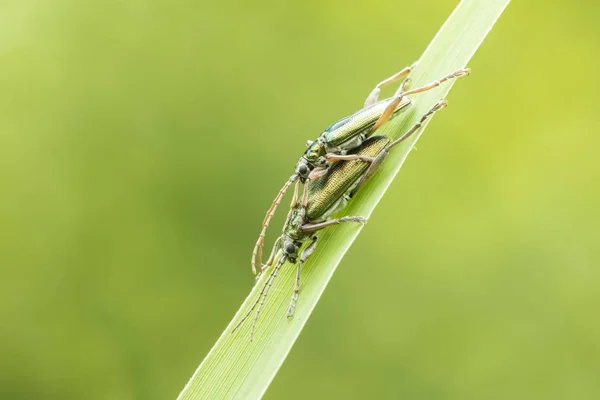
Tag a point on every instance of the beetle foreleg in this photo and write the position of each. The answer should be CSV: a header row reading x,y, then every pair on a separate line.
x,y
374,95
305,196
348,157
316,174
311,228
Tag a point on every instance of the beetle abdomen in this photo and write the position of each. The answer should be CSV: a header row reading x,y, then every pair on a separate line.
x,y
327,193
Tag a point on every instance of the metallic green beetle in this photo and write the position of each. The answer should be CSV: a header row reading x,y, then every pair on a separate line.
x,y
323,198
343,136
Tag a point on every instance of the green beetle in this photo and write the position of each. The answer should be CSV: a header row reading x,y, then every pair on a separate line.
x,y
325,197
341,137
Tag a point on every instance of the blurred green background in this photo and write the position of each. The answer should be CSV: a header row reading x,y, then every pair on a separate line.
x,y
141,143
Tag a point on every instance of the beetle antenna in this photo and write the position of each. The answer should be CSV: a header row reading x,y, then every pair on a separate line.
x,y
268,285
265,291
269,261
270,212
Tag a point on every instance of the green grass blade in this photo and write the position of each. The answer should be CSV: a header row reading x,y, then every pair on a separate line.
x,y
238,368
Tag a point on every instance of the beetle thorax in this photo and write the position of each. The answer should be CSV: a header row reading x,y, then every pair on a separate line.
x,y
293,230
315,151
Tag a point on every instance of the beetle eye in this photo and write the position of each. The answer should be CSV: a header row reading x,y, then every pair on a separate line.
x,y
302,169
290,248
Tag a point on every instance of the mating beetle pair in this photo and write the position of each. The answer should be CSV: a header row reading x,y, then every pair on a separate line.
x,y
332,169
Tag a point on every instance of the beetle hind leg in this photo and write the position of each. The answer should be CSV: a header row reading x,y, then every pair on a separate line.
x,y
401,93
385,151
434,84
374,95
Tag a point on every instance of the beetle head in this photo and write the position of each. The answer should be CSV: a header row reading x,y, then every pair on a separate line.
x,y
303,168
290,248
312,157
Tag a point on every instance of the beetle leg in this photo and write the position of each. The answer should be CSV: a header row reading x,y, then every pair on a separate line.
x,y
434,84
374,95
348,157
385,151
292,206
316,173
305,196
311,228
389,110
303,257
